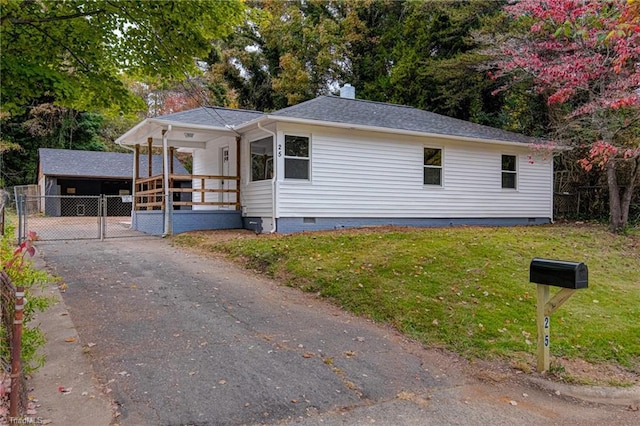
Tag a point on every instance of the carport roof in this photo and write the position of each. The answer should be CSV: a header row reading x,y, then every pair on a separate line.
x,y
97,164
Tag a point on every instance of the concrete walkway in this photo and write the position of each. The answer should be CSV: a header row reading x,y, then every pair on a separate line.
x,y
173,338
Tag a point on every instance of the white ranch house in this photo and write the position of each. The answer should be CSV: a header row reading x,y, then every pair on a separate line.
x,y
336,162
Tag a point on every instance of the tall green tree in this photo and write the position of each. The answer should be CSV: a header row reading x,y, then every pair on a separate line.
x,y
74,53
436,60
47,126
289,51
373,34
60,58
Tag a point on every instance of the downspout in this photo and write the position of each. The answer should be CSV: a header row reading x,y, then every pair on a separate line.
x,y
168,205
273,180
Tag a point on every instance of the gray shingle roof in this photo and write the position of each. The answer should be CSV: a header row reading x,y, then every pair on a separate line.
x,y
377,114
212,116
97,164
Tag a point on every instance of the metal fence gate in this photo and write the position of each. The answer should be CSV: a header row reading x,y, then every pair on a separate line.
x,y
75,217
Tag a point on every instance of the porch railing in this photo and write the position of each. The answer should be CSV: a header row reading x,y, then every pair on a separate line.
x,y
149,191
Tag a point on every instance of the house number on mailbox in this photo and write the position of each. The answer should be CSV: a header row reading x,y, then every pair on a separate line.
x,y
546,331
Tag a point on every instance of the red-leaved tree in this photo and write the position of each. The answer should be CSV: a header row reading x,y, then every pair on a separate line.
x,y
584,56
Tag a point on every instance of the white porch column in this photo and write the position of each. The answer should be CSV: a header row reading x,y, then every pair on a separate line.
x,y
168,205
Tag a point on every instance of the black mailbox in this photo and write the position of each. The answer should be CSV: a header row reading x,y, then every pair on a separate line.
x,y
559,273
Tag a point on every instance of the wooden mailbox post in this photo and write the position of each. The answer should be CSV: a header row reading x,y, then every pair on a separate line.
x,y
570,276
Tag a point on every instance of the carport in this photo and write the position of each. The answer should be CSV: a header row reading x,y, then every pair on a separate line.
x,y
67,177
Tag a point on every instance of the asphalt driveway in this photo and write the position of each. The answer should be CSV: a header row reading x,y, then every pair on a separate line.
x,y
180,339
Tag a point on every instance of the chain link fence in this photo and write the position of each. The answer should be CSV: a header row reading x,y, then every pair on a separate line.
x,y
590,203
71,217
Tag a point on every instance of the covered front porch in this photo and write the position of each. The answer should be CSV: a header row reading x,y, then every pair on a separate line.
x,y
165,202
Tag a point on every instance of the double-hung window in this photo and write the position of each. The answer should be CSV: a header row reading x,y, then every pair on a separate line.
x,y
509,172
432,166
296,157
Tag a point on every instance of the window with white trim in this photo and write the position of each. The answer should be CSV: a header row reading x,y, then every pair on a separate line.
x,y
432,166
509,171
261,159
296,157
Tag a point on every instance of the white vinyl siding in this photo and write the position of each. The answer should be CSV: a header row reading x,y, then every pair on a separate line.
x,y
256,199
368,174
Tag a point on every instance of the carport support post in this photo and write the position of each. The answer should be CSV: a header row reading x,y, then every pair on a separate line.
x,y
545,307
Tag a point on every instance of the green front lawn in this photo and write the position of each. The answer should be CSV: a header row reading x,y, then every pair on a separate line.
x,y
464,288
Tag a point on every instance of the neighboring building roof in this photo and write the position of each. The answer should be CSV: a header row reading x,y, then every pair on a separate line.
x,y
212,116
358,112
98,164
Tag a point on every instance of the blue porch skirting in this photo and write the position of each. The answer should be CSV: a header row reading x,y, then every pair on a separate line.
x,y
152,221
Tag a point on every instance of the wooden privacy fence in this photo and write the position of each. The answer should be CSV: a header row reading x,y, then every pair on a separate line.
x,y
12,313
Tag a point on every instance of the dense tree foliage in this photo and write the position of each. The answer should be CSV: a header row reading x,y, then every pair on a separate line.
x,y
419,53
73,53
60,58
583,57
52,126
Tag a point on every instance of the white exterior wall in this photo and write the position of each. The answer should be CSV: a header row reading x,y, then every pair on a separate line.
x,y
370,174
208,162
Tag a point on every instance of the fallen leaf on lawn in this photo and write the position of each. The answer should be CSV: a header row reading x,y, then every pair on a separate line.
x,y
70,339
